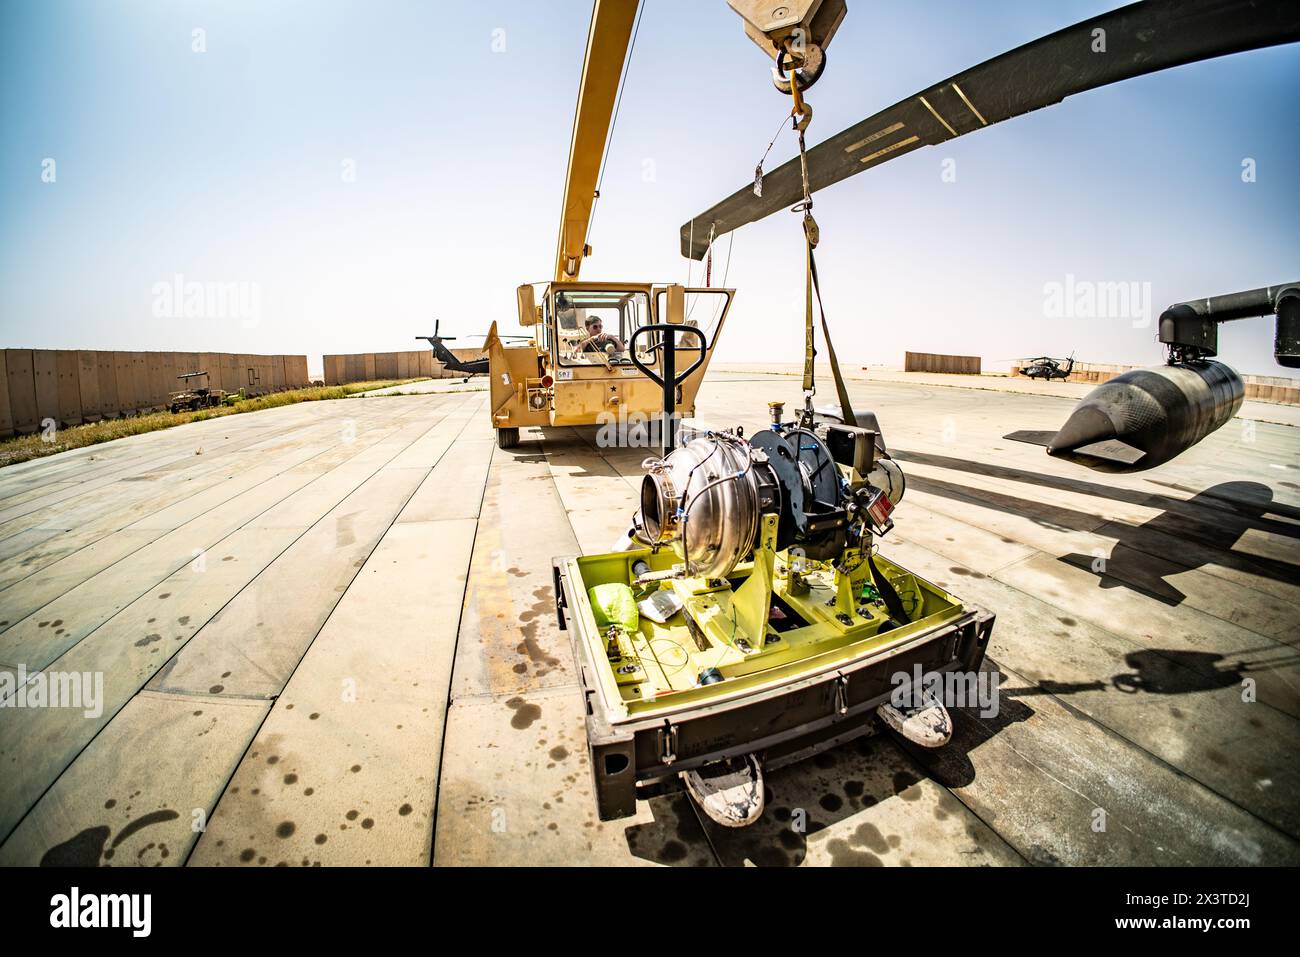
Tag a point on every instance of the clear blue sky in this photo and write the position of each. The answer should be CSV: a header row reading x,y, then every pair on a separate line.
x,y
226,166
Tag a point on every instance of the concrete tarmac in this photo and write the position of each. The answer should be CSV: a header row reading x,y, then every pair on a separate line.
x,y
326,635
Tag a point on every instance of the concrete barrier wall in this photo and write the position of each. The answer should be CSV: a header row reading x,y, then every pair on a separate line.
x,y
936,362
72,386
229,377
378,366
6,413
69,379
159,381
1266,388
124,396
22,389
106,363
140,381
246,373
88,385
45,366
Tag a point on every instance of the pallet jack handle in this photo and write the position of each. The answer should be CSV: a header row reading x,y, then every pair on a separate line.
x,y
671,379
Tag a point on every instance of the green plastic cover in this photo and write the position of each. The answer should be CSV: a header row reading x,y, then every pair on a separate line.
x,y
614,604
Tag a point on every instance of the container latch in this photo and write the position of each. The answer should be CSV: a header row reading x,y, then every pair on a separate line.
x,y
841,693
668,742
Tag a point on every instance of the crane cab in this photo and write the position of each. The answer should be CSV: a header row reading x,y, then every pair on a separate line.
x,y
578,370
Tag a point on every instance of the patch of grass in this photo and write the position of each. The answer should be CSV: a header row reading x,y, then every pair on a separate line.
x,y
24,448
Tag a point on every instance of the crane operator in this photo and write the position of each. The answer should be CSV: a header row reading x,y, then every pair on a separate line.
x,y
598,340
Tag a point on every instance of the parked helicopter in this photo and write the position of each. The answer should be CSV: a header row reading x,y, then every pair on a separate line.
x,y
1045,367
450,360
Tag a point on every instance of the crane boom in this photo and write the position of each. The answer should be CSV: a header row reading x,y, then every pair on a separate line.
x,y
576,367
608,40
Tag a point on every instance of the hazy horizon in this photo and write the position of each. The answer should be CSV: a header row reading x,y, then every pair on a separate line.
x,y
335,177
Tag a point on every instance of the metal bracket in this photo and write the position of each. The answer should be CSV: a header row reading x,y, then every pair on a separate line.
x,y
841,693
668,742
561,600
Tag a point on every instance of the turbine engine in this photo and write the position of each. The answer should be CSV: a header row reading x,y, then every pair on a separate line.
x,y
828,491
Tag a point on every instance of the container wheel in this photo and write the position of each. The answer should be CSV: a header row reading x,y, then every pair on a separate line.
x,y
507,438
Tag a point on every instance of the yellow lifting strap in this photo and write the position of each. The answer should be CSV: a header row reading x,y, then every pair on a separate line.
x,y
802,113
809,351
841,390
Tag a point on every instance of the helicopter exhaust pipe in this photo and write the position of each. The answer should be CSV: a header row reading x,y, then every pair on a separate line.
x,y
1193,326
1286,341
1146,417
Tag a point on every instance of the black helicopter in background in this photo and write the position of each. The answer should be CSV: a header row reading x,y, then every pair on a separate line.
x,y
1045,367
450,360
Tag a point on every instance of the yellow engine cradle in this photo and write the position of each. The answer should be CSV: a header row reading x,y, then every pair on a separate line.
x,y
825,623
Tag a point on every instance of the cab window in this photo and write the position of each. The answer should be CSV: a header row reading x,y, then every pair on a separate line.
x,y
593,327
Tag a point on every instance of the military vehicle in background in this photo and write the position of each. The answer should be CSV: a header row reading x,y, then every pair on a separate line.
x,y
1045,367
454,363
449,359
196,395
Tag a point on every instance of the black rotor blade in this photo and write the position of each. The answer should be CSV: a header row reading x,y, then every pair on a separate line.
x,y
1140,38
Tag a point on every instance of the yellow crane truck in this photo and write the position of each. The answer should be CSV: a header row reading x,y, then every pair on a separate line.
x,y
581,367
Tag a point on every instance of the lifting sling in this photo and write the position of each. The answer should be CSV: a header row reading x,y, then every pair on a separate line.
x,y
801,114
